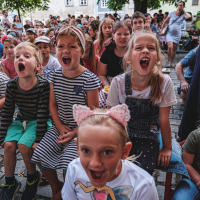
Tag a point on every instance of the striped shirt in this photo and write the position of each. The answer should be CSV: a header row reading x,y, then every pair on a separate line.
x,y
3,81
70,91
32,104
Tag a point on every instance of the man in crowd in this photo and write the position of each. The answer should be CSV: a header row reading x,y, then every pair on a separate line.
x,y
5,22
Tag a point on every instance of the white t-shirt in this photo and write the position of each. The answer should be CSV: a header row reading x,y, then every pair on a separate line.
x,y
117,93
52,65
133,183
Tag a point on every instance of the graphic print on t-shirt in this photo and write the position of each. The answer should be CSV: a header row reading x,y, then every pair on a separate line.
x,y
106,193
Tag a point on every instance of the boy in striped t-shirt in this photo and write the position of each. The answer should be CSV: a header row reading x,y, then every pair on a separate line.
x,y
30,93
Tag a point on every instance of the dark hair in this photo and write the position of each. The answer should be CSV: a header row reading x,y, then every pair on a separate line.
x,y
48,31
197,32
147,14
155,14
4,11
137,15
127,17
181,2
78,20
111,45
13,25
26,26
54,17
95,24
167,13
14,20
160,11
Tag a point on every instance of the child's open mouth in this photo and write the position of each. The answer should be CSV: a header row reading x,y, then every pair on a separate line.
x,y
97,175
144,62
66,60
21,67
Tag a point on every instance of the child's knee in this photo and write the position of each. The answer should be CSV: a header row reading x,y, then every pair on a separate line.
x,y
24,150
10,146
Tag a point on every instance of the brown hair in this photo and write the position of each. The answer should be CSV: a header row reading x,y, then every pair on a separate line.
x,y
100,38
69,32
95,24
119,24
137,15
37,53
89,43
11,41
106,121
157,75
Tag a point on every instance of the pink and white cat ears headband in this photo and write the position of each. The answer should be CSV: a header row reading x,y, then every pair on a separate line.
x,y
121,113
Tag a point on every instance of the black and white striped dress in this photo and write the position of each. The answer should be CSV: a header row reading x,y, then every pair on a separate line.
x,y
68,91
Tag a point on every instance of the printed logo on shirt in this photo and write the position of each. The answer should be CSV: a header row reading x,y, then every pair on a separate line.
x,y
106,193
77,89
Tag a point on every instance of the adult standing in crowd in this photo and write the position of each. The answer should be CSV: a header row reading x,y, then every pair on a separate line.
x,y
173,35
5,22
18,24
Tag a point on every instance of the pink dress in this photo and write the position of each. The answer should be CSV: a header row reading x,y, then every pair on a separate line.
x,y
10,67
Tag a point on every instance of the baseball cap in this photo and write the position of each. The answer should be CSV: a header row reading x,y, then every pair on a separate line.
x,y
43,39
31,30
13,34
54,17
1,28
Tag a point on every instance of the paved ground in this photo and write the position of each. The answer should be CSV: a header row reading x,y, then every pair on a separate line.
x,y
45,192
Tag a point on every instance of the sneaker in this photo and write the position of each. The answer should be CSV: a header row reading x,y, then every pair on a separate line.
x,y
31,188
8,192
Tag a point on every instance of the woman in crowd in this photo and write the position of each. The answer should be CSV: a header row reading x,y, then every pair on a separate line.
x,y
173,35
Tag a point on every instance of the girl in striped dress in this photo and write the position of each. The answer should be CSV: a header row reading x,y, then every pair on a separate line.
x,y
72,84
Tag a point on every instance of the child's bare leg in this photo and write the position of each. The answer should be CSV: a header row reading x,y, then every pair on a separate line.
x,y
10,157
27,154
55,184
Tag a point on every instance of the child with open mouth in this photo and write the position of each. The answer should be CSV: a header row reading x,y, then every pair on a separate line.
x,y
30,93
70,84
149,94
102,171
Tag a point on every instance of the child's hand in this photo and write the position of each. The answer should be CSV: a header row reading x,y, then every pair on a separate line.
x,y
164,157
63,129
198,185
34,146
66,138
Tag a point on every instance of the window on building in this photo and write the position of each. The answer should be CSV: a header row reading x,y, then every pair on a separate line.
x,y
83,2
195,2
69,2
104,3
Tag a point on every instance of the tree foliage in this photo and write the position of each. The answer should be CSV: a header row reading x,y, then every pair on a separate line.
x,y
24,6
140,5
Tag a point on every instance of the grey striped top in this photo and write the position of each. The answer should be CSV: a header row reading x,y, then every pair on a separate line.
x,y
32,104
3,81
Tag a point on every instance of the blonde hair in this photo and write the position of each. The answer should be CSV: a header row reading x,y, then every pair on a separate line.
x,y
37,53
100,37
90,45
157,75
69,32
105,121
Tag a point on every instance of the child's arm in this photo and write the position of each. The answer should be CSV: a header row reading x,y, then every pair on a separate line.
x,y
62,129
42,111
2,102
188,160
166,151
5,70
102,71
7,114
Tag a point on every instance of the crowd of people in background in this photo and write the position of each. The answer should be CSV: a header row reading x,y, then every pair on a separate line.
x,y
66,68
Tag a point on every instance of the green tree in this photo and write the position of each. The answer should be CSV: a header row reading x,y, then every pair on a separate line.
x,y
24,6
140,5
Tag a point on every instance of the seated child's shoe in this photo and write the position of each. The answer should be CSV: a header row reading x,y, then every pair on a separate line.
x,y
8,192
31,188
